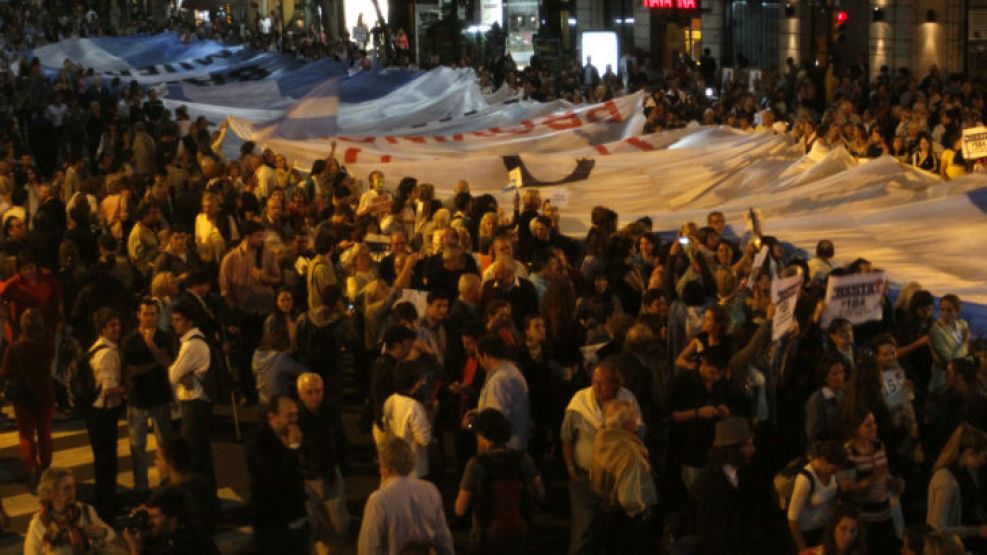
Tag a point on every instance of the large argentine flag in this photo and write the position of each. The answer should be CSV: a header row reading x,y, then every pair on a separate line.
x,y
312,117
213,74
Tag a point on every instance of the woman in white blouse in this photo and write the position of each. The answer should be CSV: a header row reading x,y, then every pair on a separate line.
x,y
815,494
950,338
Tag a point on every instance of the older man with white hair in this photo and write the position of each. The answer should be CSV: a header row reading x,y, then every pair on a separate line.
x,y
502,246
318,455
620,475
508,286
403,509
584,418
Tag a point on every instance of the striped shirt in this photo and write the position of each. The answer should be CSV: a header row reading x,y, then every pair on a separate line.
x,y
873,501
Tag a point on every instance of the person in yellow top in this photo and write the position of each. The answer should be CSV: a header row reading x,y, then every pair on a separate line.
x,y
952,165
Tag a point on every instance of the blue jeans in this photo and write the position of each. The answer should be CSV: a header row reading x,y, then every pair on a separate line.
x,y
137,422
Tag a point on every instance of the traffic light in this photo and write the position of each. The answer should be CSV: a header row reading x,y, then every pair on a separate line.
x,y
839,26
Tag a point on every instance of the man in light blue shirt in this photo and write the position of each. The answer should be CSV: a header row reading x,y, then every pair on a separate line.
x,y
403,509
504,388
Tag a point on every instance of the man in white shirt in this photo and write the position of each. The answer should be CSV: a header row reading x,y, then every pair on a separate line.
x,y
376,200
101,418
584,417
188,375
502,247
405,417
403,509
265,175
209,238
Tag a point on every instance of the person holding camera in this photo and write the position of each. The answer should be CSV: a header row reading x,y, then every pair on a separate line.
x,y
166,526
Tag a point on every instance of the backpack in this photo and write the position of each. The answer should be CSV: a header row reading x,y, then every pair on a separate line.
x,y
318,348
504,503
784,481
83,388
216,383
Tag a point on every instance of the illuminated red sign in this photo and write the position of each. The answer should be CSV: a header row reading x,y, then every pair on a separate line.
x,y
672,4
841,17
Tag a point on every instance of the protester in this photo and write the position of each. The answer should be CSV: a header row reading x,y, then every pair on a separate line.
x,y
403,416
724,502
26,370
64,525
277,491
318,455
500,485
620,474
89,161
102,415
869,483
145,356
403,509
584,417
173,460
815,494
843,535
188,375
504,388
954,499
173,529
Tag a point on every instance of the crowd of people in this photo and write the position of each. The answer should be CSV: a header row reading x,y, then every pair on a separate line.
x,y
918,121
149,276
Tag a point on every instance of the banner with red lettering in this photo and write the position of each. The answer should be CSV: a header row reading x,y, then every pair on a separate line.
x,y
522,129
904,220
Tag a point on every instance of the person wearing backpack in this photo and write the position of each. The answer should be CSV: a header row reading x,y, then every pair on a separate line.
x,y
325,340
321,272
103,413
814,493
500,484
189,378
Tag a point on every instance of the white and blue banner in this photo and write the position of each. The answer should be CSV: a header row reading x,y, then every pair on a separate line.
x,y
208,71
438,127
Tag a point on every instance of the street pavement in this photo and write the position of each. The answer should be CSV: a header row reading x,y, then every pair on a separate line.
x,y
72,450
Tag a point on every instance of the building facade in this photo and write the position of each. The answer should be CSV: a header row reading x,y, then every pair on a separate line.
x,y
914,34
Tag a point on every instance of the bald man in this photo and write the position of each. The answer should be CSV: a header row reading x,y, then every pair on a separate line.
x,y
507,285
320,467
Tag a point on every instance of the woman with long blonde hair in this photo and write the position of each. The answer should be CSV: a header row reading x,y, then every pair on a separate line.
x,y
954,499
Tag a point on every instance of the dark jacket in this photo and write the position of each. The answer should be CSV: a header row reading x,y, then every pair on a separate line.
x,y
277,492
523,299
724,514
695,436
318,450
431,275
149,387
381,384
31,362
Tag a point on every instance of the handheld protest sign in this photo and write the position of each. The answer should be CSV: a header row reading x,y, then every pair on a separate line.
x,y
857,297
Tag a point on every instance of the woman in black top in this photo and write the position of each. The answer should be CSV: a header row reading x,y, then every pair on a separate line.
x,y
923,157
